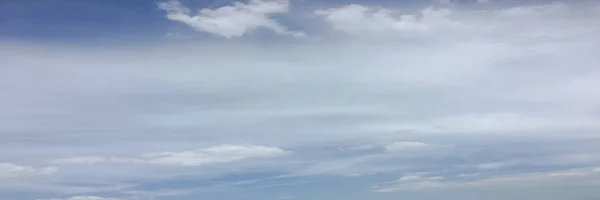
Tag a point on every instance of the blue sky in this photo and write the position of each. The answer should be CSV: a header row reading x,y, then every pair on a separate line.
x,y
295,100
121,21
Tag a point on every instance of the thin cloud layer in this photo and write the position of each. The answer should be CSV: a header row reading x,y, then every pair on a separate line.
x,y
211,155
573,176
88,198
10,170
400,146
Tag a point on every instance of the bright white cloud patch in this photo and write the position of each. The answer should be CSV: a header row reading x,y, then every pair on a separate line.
x,y
451,23
359,19
497,165
10,170
211,155
232,21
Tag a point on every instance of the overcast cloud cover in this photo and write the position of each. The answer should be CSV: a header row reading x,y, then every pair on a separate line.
x,y
281,100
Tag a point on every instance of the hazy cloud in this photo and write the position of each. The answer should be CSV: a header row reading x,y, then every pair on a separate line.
x,y
423,96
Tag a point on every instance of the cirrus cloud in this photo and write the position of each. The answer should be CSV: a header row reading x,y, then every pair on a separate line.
x,y
210,155
10,170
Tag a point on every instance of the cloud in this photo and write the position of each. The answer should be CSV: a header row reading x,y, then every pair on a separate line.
x,y
216,154
10,170
452,23
234,20
89,198
360,19
211,155
497,123
497,165
412,181
419,178
534,10
550,160
584,176
380,159
506,89
444,1
400,146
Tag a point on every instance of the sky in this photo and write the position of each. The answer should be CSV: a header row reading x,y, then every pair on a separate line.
x,y
299,100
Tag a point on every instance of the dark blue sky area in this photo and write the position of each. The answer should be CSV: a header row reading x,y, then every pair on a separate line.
x,y
76,20
64,19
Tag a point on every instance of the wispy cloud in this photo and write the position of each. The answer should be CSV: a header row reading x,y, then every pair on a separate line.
x,y
211,155
573,176
10,170
232,21
359,19
89,198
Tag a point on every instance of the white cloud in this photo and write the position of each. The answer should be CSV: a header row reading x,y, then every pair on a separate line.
x,y
484,1
216,154
534,10
412,182
10,170
552,160
89,198
456,24
360,19
406,145
420,178
577,176
583,176
497,165
234,20
211,155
